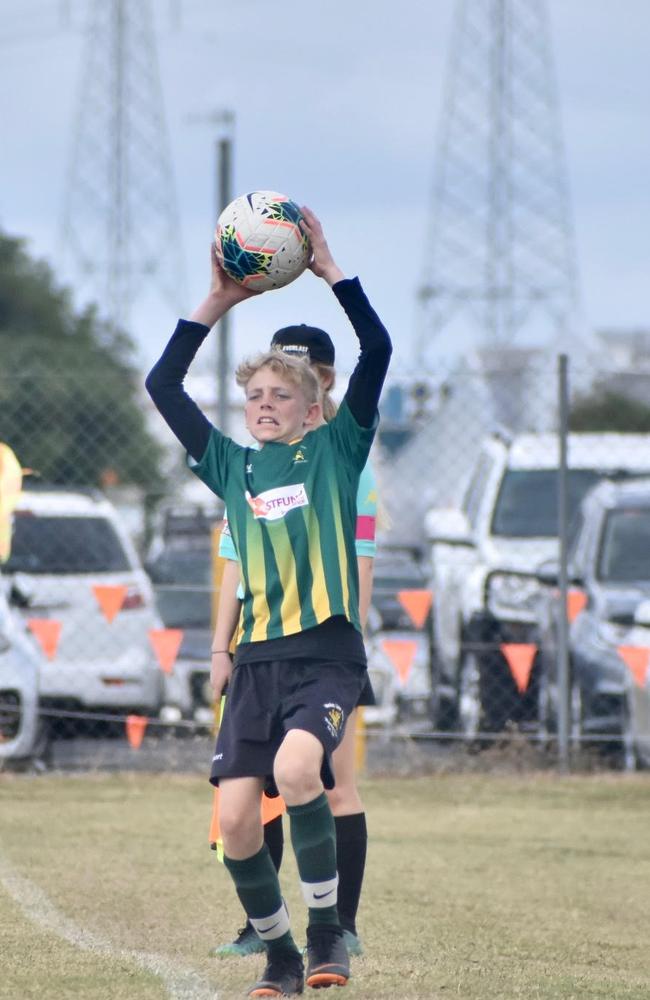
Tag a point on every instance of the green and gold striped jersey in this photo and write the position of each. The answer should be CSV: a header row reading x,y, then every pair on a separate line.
x,y
292,511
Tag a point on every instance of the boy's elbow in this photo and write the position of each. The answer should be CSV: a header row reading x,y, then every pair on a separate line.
x,y
152,383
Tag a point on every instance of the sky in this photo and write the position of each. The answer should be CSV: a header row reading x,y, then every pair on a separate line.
x,y
338,106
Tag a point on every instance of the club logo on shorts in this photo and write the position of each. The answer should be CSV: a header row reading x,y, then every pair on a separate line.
x,y
333,718
274,504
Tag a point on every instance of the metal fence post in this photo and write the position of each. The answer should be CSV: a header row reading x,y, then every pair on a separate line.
x,y
563,622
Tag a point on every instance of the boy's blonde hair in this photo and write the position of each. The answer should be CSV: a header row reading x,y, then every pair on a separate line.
x,y
296,371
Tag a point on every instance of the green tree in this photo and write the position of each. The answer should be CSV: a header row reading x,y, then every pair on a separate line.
x,y
69,392
607,410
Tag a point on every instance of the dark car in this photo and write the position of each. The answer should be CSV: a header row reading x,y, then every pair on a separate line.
x,y
609,568
182,575
395,570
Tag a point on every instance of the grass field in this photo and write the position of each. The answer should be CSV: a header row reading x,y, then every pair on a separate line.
x,y
477,886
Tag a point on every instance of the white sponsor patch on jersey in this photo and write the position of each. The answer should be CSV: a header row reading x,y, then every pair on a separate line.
x,y
274,504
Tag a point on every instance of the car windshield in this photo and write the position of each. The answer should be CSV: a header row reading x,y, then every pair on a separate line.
x,y
625,546
182,580
48,544
526,506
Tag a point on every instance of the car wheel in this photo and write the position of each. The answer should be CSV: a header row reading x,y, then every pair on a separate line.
x,y
469,696
443,711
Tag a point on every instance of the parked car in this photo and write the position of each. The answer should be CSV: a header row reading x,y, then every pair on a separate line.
x,y
65,543
484,557
182,575
636,732
20,665
399,700
610,563
396,569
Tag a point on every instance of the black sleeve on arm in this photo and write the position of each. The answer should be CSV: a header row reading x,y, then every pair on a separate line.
x,y
367,379
164,383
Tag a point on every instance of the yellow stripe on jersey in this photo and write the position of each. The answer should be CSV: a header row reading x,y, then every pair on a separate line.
x,y
319,594
257,571
286,563
343,559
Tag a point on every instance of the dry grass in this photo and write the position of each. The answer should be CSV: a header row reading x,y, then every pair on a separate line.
x,y
478,886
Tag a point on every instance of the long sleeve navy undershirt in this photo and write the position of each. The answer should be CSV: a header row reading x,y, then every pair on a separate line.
x,y
164,382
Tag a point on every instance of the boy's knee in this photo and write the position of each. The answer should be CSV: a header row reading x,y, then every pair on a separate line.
x,y
241,826
293,778
297,766
344,799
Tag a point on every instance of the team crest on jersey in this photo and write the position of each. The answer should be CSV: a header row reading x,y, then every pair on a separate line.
x,y
271,505
333,718
299,456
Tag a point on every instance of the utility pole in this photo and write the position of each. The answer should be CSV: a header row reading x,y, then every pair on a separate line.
x,y
224,120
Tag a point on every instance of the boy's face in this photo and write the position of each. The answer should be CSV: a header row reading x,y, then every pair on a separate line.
x,y
276,410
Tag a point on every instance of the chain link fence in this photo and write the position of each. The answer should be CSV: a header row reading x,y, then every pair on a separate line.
x,y
511,592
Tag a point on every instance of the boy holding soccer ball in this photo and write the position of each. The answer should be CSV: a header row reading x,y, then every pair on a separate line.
x,y
300,664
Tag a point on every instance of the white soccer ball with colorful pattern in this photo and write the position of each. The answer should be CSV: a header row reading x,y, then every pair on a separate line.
x,y
259,241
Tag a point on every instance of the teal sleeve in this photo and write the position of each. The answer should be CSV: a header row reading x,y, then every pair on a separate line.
x,y
226,545
366,513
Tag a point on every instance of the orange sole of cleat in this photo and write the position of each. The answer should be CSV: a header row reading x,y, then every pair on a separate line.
x,y
325,979
266,991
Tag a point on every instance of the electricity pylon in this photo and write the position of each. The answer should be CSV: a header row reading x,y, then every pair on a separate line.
x,y
500,259
121,226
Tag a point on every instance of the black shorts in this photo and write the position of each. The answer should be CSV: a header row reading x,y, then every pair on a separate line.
x,y
367,696
267,699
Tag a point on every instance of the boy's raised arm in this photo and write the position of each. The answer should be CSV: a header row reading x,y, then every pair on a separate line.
x,y
164,382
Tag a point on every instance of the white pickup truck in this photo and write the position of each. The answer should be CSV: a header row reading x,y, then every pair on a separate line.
x,y
484,556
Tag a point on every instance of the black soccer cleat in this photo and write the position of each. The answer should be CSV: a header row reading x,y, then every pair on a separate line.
x,y
327,957
284,976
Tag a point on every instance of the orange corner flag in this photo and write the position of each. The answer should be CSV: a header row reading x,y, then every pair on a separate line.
x,y
575,603
166,643
401,653
110,598
637,659
135,729
520,656
417,604
48,633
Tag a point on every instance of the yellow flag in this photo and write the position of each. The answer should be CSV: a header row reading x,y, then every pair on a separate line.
x,y
11,484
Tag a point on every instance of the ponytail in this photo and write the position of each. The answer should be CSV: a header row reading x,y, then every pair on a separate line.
x,y
326,377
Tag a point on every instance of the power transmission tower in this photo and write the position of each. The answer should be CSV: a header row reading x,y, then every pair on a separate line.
x,y
500,259
121,227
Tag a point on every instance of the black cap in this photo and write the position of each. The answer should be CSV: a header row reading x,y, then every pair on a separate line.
x,y
303,340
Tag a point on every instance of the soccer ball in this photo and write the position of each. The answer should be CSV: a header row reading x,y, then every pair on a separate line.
x,y
259,241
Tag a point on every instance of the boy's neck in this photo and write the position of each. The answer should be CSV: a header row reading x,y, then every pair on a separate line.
x,y
292,441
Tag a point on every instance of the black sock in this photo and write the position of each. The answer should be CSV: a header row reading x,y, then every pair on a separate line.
x,y
351,845
274,840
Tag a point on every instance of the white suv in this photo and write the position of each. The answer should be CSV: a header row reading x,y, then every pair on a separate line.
x,y
484,557
66,543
